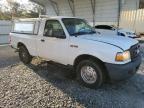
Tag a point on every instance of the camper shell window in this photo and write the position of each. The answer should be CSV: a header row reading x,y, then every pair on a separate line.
x,y
26,27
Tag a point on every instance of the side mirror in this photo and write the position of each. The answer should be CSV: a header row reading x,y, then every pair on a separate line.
x,y
60,36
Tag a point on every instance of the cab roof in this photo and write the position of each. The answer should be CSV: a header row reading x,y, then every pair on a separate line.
x,y
44,17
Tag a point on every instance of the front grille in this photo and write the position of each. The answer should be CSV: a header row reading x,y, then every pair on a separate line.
x,y
134,51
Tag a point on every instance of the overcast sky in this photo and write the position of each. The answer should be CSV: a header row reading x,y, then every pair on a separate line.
x,y
20,1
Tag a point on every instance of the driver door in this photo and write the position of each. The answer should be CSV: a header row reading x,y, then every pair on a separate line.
x,y
53,44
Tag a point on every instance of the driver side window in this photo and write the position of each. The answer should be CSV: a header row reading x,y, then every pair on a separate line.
x,y
53,28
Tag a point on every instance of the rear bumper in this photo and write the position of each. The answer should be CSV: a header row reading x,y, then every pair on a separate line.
x,y
120,72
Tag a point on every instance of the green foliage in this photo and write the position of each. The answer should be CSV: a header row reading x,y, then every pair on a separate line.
x,y
19,11
5,15
20,14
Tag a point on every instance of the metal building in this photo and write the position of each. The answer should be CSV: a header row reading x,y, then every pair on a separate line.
x,y
5,28
124,13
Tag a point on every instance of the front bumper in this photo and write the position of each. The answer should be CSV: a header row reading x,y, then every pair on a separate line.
x,y
134,37
118,72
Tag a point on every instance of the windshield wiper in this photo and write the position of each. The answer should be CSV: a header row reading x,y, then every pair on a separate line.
x,y
78,33
83,33
92,32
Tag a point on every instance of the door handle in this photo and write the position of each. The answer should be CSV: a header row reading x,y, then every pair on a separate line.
x,y
42,40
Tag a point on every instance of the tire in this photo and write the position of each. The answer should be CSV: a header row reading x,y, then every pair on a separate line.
x,y
24,55
97,73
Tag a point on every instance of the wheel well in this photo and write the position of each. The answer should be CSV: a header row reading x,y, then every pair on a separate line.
x,y
86,57
20,44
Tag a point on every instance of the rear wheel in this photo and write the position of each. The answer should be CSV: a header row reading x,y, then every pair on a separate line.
x,y
24,55
90,74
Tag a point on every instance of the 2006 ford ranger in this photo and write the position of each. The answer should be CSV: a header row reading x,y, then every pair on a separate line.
x,y
71,41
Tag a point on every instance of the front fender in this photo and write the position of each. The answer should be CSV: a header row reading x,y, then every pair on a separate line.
x,y
103,51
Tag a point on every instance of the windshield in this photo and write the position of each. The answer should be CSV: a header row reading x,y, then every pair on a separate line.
x,y
77,26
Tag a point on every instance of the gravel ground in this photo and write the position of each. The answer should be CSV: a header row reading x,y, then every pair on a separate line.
x,y
7,56
43,84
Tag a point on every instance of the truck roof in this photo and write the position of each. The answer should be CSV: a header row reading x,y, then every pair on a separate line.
x,y
43,17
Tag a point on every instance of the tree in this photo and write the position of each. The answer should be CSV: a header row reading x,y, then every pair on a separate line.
x,y
14,7
17,10
4,15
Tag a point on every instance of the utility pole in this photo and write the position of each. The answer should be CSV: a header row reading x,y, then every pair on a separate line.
x,y
119,13
93,5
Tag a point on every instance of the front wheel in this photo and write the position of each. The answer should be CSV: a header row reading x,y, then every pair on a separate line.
x,y
90,74
24,55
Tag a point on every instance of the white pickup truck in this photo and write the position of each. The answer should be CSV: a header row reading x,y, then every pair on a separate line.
x,y
71,41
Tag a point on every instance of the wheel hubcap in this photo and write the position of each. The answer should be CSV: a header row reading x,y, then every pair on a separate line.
x,y
88,74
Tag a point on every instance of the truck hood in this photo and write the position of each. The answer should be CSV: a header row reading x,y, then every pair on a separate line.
x,y
121,42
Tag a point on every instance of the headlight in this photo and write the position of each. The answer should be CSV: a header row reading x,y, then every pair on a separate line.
x,y
123,56
129,33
